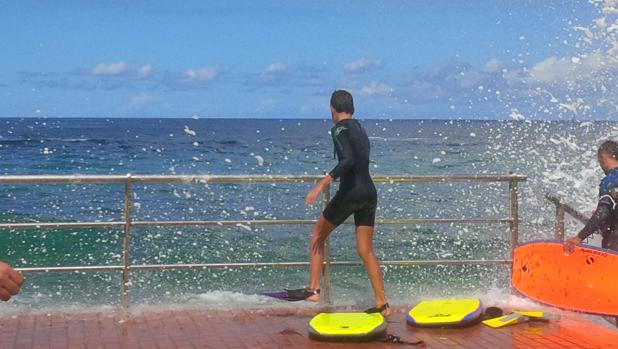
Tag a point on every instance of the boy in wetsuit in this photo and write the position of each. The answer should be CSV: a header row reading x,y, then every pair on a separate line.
x,y
605,217
356,195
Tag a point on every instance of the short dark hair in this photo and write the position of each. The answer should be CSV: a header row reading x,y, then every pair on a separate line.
x,y
342,102
609,148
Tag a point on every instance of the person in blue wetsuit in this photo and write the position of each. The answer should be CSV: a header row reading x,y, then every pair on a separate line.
x,y
605,217
356,196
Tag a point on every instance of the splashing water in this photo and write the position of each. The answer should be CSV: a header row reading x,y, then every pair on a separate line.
x,y
558,156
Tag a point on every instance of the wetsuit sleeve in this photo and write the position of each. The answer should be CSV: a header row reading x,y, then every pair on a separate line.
x,y
601,219
344,153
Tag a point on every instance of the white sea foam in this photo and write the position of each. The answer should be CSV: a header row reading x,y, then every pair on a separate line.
x,y
189,131
224,300
516,115
246,227
260,160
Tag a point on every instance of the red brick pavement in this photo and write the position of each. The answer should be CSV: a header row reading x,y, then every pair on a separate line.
x,y
271,328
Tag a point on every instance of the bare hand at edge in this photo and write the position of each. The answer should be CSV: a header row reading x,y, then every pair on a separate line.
x,y
569,245
10,281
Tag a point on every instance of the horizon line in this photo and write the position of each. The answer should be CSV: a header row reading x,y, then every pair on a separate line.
x,y
298,118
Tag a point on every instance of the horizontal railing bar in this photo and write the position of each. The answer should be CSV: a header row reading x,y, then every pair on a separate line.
x,y
227,179
447,262
93,268
310,221
187,179
48,225
443,221
261,265
220,265
63,179
413,179
304,264
274,179
233,222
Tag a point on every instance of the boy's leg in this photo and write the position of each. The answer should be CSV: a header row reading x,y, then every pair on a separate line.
x,y
364,246
320,232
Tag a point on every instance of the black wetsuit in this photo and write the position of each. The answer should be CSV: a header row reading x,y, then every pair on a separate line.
x,y
605,217
356,193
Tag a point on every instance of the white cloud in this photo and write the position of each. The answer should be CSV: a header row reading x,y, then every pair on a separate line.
x,y
144,71
121,68
550,70
582,68
470,78
274,68
116,68
609,10
361,65
200,75
140,100
274,73
377,88
492,66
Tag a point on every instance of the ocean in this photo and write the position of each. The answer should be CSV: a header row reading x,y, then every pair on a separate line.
x,y
557,157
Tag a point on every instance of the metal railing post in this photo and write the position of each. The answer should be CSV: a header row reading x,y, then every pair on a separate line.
x,y
514,215
559,227
325,292
128,191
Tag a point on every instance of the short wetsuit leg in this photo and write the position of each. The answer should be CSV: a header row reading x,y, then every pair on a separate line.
x,y
345,203
338,209
365,217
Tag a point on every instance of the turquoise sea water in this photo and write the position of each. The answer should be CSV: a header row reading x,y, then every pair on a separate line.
x,y
557,157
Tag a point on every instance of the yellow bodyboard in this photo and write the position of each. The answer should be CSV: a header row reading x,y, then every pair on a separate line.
x,y
445,312
346,326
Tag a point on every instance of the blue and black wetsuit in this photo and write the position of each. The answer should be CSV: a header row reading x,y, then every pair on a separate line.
x,y
605,218
357,193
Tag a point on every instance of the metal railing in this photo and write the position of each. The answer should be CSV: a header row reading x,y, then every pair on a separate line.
x,y
563,208
128,221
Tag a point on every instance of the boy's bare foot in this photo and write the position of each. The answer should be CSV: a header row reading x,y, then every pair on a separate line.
x,y
313,298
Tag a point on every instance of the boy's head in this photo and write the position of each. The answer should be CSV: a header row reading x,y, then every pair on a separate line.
x,y
608,155
341,102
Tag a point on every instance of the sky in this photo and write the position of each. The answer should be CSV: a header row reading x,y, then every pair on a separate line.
x,y
282,59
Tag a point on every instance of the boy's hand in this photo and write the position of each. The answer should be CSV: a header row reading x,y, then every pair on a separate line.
x,y
313,195
569,245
